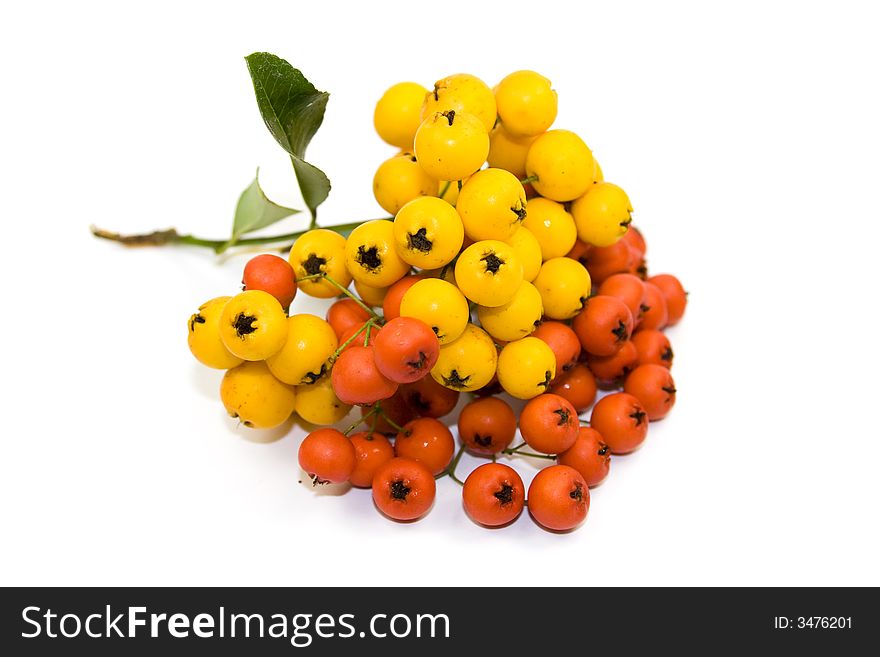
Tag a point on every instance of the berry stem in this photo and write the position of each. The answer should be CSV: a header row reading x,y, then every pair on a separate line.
x,y
366,327
529,179
450,469
351,295
516,451
362,419
390,422
586,423
445,189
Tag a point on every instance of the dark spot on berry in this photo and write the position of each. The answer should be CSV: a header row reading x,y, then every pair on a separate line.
x,y
419,403
248,424
564,416
643,309
244,324
314,264
459,189
642,270
455,380
638,415
420,363
195,319
669,390
626,222
577,493
399,490
482,441
419,240
436,95
567,206
546,382
603,449
314,377
520,212
317,481
667,354
450,115
493,263
620,331
582,301
505,494
368,257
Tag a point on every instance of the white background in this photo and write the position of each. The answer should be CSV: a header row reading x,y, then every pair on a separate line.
x,y
746,135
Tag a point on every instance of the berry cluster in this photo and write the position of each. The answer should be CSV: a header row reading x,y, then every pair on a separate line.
x,y
522,280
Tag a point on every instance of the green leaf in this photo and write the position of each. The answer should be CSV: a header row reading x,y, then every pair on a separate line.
x,y
255,211
293,110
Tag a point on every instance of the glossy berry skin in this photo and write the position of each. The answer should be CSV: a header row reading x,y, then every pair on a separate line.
x,y
562,163
527,104
489,273
549,424
602,215
428,232
487,425
589,455
526,367
603,325
399,180
451,145
622,421
371,257
528,252
318,404
552,225
628,288
403,489
655,311
306,353
493,495
578,386
344,314
559,498
676,297
653,386
563,341
271,274
605,261
357,380
508,152
406,349
327,456
398,114
319,251
652,346
372,451
428,398
427,441
492,204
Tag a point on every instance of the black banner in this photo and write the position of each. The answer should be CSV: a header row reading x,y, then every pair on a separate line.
x,y
421,621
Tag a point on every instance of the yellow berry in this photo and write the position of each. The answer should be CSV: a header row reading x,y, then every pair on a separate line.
x,y
398,114
526,102
250,392
509,152
489,272
399,180
602,215
562,164
304,358
526,367
440,305
468,363
528,251
253,326
372,296
516,318
451,145
428,232
204,336
371,257
462,93
320,251
564,285
318,404
552,226
492,203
